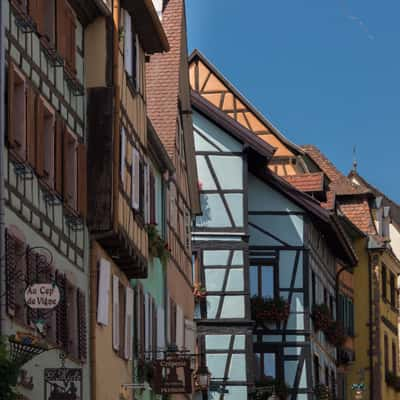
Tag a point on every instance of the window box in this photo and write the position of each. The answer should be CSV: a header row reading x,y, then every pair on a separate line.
x,y
270,309
266,387
321,392
321,317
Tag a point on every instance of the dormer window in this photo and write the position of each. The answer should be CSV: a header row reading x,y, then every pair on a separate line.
x,y
131,46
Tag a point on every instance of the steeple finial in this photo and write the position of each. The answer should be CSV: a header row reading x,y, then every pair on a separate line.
x,y
354,159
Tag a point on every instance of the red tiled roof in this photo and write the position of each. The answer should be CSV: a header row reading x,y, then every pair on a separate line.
x,y
312,182
162,76
340,183
357,210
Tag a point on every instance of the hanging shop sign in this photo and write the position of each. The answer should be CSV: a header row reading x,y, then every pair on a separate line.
x,y
63,383
172,375
44,296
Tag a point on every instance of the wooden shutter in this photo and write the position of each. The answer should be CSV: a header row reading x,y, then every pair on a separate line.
x,y
103,294
82,327
115,314
68,174
128,43
146,193
128,323
40,137
61,310
180,336
71,62
152,183
37,13
160,328
66,41
31,125
82,184
122,157
11,268
58,156
11,128
135,179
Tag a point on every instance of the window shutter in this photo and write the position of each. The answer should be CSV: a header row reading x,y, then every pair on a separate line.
x,y
11,267
11,127
128,55
122,157
71,43
61,310
82,327
31,125
154,328
58,159
128,323
180,336
115,314
82,184
103,291
190,335
40,138
36,13
146,322
66,40
146,193
135,179
160,328
152,189
68,192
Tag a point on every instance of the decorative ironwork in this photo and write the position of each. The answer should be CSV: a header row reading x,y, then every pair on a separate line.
x,y
24,347
74,222
54,58
22,171
51,198
25,23
75,86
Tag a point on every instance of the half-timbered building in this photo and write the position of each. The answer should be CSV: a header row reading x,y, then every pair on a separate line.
x,y
45,187
119,189
266,257
168,101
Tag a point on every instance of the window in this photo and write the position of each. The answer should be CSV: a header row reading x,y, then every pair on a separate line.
x,y
394,358
313,288
17,113
45,124
70,169
130,50
384,280
266,365
393,290
262,280
346,313
316,369
172,321
326,375
386,353
66,35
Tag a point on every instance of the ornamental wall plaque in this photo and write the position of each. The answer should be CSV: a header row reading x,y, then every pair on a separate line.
x,y
63,383
42,296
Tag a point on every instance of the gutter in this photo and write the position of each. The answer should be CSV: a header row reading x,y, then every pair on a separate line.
x,y
2,148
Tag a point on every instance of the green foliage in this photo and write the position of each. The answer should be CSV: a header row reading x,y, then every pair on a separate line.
x,y
9,372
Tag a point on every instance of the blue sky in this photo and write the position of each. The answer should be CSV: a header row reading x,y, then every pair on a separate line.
x,y
325,72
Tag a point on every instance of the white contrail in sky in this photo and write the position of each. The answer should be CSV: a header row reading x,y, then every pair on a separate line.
x,y
357,20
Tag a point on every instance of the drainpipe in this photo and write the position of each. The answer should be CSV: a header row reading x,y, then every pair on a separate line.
x,y
2,149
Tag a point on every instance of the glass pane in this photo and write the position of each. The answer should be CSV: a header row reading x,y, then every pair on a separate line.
x,y
200,144
297,303
213,211
295,338
217,342
215,257
235,204
267,281
286,266
212,306
235,280
303,378
258,238
270,365
215,134
214,279
271,338
296,321
290,372
206,181
240,342
237,257
233,307
292,351
253,281
216,364
235,393
299,276
237,369
229,171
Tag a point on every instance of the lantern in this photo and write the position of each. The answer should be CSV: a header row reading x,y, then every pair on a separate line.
x,y
202,378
